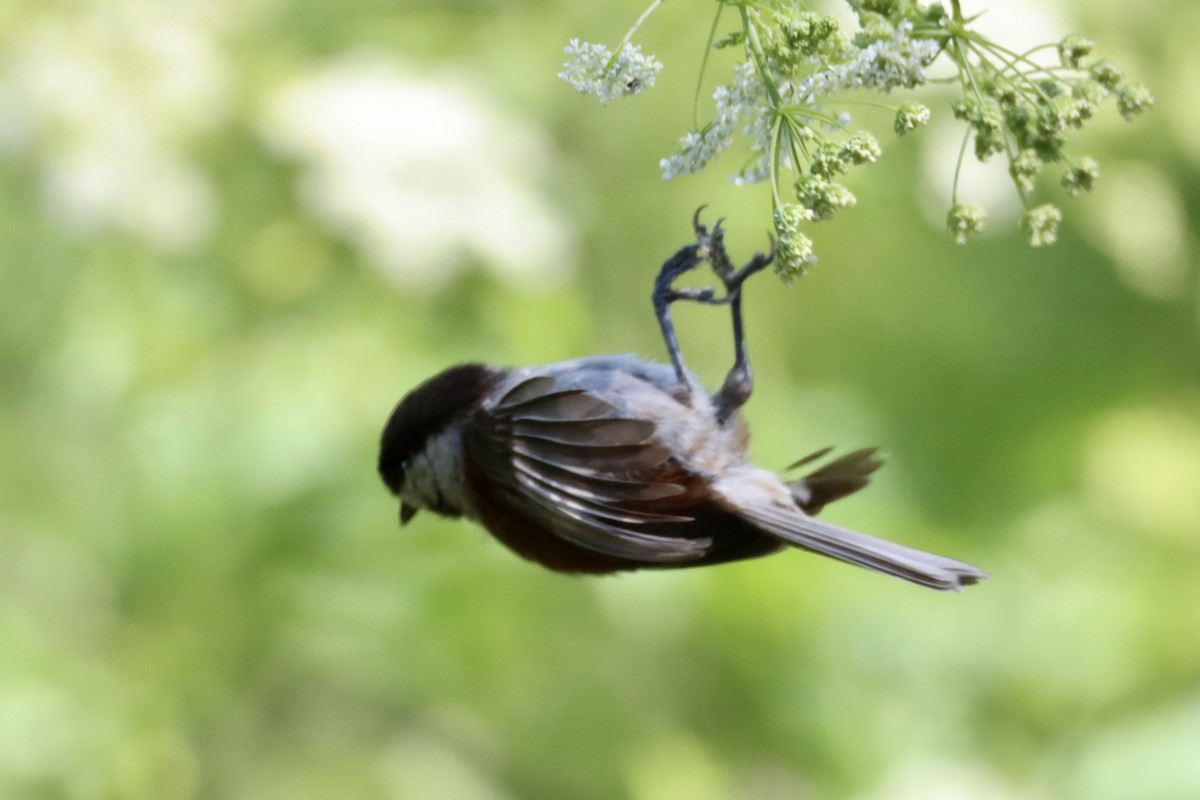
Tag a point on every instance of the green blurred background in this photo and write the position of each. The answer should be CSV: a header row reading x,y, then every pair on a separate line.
x,y
234,233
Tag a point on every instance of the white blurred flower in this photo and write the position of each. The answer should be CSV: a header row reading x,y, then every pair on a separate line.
x,y
1020,24
1140,219
1142,470
420,173
983,183
943,779
108,104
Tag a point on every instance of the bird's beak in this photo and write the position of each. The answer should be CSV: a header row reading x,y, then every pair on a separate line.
x,y
407,512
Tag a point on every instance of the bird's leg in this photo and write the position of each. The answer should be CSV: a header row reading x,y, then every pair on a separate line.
x,y
710,246
739,382
686,259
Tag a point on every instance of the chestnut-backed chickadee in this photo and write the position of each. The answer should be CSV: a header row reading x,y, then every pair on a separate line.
x,y
610,463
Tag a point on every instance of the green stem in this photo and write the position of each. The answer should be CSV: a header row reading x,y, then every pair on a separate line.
x,y
997,50
760,58
712,34
1024,81
796,145
962,154
1008,151
1024,56
776,138
868,104
966,67
818,116
629,34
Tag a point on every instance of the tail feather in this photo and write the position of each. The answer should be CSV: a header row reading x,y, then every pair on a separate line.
x,y
784,510
879,555
840,477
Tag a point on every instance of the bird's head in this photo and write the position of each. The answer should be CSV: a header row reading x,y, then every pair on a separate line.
x,y
415,457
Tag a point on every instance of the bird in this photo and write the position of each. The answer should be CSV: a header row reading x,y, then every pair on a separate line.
x,y
610,463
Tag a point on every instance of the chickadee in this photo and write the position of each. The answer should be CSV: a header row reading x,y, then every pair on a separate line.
x,y
609,463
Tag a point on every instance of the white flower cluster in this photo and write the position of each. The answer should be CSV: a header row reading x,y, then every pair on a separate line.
x,y
892,61
422,175
883,65
110,112
758,129
742,100
592,70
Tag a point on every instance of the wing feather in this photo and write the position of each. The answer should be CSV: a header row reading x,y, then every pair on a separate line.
x,y
574,404
600,460
601,488
598,511
563,456
526,390
586,432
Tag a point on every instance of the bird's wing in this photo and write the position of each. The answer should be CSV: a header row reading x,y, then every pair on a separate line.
x,y
593,478
759,498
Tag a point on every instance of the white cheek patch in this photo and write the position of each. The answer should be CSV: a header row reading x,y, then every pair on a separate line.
x,y
434,478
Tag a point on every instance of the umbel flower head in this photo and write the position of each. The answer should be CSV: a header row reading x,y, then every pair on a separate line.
x,y
963,219
795,68
742,101
1042,223
912,115
793,250
593,70
1081,177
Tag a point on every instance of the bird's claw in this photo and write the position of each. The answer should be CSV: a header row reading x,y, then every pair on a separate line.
x,y
711,248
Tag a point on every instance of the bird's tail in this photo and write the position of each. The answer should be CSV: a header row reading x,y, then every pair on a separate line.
x,y
833,481
760,499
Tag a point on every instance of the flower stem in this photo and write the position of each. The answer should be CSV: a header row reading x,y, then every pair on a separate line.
x,y
629,34
962,153
760,59
712,34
